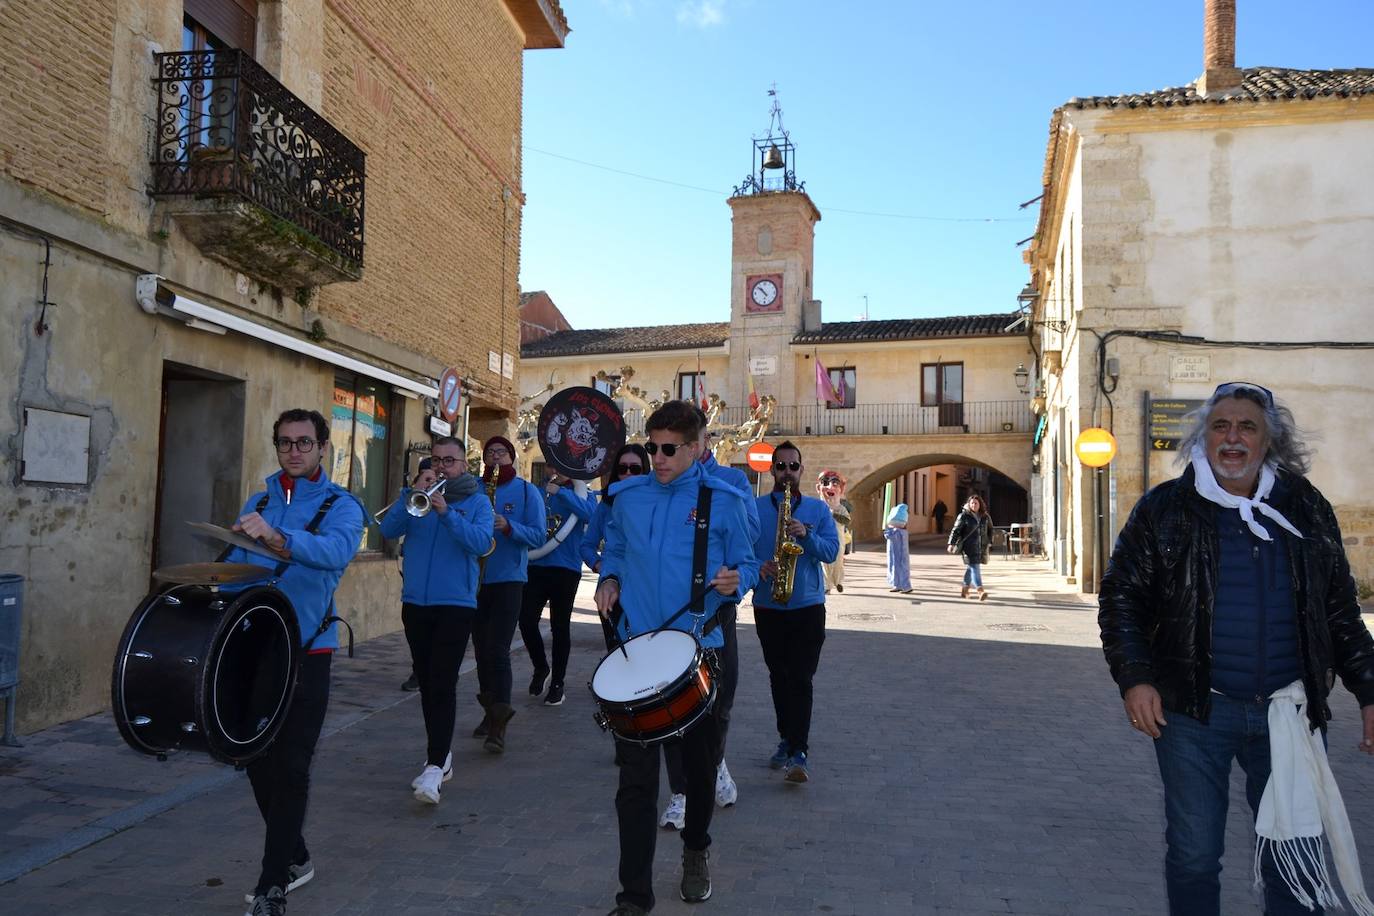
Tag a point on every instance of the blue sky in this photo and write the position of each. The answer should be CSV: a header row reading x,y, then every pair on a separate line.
x,y
918,110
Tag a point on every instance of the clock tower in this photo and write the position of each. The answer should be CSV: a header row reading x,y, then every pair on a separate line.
x,y
773,231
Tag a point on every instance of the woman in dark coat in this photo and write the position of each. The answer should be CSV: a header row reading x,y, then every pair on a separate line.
x,y
971,536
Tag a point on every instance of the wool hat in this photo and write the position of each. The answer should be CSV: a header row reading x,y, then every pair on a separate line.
x,y
499,440
898,515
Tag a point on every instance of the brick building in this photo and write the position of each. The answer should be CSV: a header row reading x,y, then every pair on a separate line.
x,y
213,210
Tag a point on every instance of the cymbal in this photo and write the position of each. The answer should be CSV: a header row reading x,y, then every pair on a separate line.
x,y
211,573
233,537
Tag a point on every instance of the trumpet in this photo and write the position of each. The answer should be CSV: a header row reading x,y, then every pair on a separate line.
x,y
419,502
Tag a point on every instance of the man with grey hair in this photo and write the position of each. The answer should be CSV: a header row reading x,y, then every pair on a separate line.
x,y
1226,611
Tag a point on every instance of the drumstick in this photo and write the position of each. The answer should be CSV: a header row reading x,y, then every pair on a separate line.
x,y
615,628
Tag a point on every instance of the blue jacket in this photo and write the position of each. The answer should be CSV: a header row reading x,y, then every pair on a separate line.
x,y
1254,615
522,503
740,481
317,560
821,544
568,555
650,535
441,551
595,534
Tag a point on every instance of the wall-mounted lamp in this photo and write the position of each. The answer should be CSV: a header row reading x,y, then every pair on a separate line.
x,y
1027,296
1022,376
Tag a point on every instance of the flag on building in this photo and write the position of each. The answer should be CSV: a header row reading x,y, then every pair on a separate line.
x,y
825,391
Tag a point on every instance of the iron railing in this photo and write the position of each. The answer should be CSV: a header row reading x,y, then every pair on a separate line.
x,y
225,126
971,417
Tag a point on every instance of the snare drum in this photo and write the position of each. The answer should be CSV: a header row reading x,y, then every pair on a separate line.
x,y
656,689
203,670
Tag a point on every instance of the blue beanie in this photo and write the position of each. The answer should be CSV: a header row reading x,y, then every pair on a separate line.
x,y
898,515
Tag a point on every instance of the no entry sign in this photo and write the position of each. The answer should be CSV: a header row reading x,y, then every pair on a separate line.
x,y
760,456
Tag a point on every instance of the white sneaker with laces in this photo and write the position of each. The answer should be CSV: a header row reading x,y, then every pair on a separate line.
x,y
675,815
430,781
727,793
448,772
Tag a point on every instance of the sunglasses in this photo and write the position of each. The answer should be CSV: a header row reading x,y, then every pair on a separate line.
x,y
787,465
630,469
829,481
1266,397
669,449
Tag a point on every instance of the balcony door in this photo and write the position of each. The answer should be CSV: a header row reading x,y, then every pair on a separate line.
x,y
942,386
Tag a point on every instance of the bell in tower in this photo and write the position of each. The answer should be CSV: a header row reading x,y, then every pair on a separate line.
x,y
774,166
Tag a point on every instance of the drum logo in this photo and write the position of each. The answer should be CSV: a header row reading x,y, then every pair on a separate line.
x,y
576,431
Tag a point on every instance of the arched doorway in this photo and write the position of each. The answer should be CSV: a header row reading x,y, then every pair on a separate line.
x,y
922,481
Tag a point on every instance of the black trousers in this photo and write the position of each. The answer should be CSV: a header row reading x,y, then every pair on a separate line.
x,y
727,681
281,777
438,638
636,804
791,642
493,628
557,586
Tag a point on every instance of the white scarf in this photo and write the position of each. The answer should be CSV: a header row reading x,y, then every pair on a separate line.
x,y
1300,799
1207,487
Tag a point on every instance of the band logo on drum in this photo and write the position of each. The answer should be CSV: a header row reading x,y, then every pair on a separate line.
x,y
580,430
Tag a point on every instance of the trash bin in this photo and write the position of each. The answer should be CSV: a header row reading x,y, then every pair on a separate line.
x,y
11,618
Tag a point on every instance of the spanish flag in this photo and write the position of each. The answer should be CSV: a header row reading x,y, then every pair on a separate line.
x,y
753,395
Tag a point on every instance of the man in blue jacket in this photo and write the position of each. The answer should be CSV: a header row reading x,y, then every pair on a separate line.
x,y
439,595
314,527
553,578
792,632
519,524
647,569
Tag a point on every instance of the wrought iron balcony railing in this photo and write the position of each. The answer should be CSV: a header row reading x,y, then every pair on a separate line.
x,y
225,126
971,417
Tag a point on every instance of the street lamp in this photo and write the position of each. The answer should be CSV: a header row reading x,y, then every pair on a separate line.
x,y
1022,376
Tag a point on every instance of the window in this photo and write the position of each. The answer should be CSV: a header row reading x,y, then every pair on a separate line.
x,y
844,381
220,23
942,385
691,386
359,435
606,386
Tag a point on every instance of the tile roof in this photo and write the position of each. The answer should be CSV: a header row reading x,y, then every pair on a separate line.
x,y
910,329
630,340
1258,84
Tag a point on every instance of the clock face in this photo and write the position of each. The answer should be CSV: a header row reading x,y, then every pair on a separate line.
x,y
765,292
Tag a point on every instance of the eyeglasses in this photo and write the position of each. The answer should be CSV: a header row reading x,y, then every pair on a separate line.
x,y
829,481
787,465
669,449
631,469
1266,396
447,461
495,452
284,446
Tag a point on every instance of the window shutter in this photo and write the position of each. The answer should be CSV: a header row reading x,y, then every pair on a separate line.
x,y
234,22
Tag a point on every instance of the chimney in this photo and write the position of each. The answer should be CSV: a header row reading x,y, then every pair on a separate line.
x,y
1219,72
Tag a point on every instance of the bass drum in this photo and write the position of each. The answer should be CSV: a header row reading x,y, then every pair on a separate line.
x,y
201,670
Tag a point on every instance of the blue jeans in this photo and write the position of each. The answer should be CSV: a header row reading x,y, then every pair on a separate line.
x,y
1195,765
973,575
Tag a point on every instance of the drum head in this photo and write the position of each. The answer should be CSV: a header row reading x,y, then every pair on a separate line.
x,y
580,430
212,573
249,685
651,662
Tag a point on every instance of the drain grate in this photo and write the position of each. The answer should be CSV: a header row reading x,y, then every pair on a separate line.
x,y
868,617
1019,627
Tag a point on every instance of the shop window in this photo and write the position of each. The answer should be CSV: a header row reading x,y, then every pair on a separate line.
x,y
359,439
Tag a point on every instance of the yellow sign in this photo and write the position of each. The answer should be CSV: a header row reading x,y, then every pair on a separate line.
x,y
1095,447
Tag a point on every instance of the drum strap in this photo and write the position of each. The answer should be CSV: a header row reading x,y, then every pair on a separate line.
x,y
703,538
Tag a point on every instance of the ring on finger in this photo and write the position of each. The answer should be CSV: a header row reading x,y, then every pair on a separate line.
x,y
1135,721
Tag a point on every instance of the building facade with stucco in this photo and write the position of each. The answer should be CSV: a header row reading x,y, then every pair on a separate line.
x,y
1214,232
214,210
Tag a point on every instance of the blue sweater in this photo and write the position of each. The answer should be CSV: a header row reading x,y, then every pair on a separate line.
x,y
522,503
650,536
568,555
441,551
595,534
821,544
1254,614
317,560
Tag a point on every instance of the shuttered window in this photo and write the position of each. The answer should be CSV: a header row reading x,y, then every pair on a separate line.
x,y
233,22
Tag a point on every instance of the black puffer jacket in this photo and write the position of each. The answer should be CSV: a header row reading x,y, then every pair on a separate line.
x,y
1156,599
972,537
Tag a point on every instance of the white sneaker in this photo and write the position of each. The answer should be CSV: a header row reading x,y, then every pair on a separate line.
x,y
675,815
448,772
430,780
727,793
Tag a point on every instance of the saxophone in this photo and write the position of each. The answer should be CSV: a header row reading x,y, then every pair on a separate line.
x,y
490,483
785,551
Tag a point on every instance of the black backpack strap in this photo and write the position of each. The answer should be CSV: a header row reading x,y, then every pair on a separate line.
x,y
702,541
230,548
331,617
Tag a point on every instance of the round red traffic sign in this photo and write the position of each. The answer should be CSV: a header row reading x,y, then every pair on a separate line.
x,y
450,395
759,456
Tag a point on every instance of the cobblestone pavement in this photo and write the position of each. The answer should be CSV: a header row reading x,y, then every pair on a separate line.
x,y
967,758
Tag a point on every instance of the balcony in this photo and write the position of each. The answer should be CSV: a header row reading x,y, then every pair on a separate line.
x,y
252,175
967,418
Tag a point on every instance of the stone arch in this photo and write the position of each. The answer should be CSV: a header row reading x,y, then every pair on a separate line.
x,y
881,475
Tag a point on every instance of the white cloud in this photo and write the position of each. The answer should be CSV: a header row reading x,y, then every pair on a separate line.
x,y
701,13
